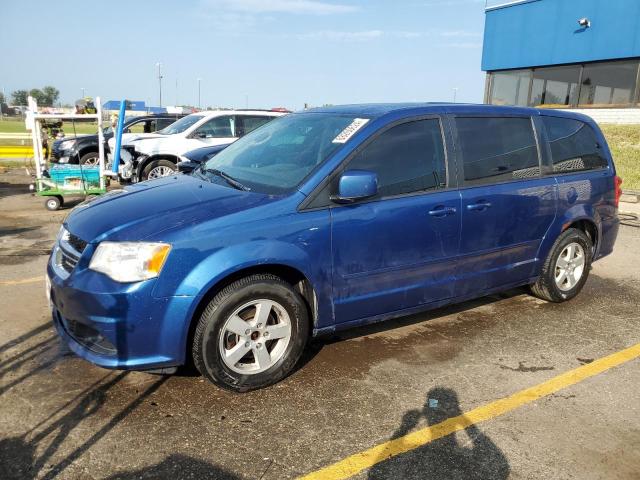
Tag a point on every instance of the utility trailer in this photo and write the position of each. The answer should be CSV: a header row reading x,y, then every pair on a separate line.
x,y
62,181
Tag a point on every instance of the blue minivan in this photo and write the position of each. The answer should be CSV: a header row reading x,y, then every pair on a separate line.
x,y
327,219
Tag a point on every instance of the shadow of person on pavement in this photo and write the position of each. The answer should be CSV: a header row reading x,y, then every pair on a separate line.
x,y
448,458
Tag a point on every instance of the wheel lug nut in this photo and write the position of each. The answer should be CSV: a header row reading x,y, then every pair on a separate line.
x,y
259,325
258,345
265,334
247,344
247,332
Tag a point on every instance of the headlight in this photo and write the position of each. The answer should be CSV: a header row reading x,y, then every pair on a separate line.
x,y
67,144
130,261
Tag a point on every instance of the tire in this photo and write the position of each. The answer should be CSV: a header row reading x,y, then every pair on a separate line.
x,y
53,202
213,339
89,159
158,169
550,285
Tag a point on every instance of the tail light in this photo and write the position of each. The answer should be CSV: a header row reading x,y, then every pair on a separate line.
x,y
617,189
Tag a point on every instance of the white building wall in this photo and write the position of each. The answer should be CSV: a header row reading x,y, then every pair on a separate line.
x,y
622,116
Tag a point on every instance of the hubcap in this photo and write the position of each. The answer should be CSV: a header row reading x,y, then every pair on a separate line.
x,y
91,161
255,336
161,171
570,266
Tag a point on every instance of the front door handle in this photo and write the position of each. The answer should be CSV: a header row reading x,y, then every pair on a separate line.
x,y
442,211
479,206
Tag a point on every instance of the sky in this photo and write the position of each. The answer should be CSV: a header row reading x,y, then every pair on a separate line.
x,y
264,53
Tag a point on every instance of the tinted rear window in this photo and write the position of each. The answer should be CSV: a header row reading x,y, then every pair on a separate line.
x,y
574,146
497,149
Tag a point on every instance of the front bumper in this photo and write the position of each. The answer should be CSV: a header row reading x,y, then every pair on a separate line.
x,y
119,326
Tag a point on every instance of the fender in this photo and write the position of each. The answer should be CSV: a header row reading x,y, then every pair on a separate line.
x,y
224,262
201,280
574,214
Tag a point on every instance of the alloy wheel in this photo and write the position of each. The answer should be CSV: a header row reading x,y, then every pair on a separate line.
x,y
255,336
569,266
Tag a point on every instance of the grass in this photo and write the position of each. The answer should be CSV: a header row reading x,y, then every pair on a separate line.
x,y
624,142
17,126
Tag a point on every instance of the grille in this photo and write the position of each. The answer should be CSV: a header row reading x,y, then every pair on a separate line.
x,y
77,243
69,251
67,261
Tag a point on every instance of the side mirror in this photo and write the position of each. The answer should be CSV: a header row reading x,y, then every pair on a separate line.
x,y
199,135
356,185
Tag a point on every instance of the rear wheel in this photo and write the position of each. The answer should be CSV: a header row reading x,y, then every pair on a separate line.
x,y
158,169
251,334
566,268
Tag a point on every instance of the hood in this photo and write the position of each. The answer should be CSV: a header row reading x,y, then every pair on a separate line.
x,y
132,138
78,138
148,208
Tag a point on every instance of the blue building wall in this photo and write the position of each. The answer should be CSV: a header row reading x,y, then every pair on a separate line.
x,y
546,32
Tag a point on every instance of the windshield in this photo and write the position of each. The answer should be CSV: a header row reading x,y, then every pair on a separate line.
x,y
181,125
276,157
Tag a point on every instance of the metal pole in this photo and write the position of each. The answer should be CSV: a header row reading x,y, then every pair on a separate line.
x,y
159,65
455,94
119,128
100,143
82,88
199,80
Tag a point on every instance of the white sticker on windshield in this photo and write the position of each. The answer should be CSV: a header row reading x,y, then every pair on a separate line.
x,y
350,130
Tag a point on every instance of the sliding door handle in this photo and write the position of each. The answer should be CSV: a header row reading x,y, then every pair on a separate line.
x,y
479,206
442,211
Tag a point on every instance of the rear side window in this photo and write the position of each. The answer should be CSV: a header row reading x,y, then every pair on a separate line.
x,y
574,146
407,158
247,124
497,149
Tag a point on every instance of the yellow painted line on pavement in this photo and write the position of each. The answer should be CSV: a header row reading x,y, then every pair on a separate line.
x,y
360,461
22,281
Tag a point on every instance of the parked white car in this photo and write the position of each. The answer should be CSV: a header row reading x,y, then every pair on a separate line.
x,y
154,155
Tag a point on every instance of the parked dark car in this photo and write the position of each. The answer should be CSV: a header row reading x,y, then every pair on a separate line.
x,y
83,149
193,159
328,219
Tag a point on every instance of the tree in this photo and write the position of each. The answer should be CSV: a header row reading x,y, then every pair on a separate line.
x,y
19,97
50,95
37,95
2,99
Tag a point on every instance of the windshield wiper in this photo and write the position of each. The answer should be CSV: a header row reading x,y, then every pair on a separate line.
x,y
229,179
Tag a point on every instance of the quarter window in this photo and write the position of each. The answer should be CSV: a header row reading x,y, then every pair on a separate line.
x,y
247,124
497,149
218,127
574,146
407,158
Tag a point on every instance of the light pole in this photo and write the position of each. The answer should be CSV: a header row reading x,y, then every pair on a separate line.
x,y
455,94
199,80
159,65
82,88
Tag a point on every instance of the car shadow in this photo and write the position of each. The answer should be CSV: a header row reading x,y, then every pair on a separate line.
x,y
447,458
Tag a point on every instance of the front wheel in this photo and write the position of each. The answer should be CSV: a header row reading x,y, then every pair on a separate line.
x,y
158,169
90,159
53,203
251,334
566,268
